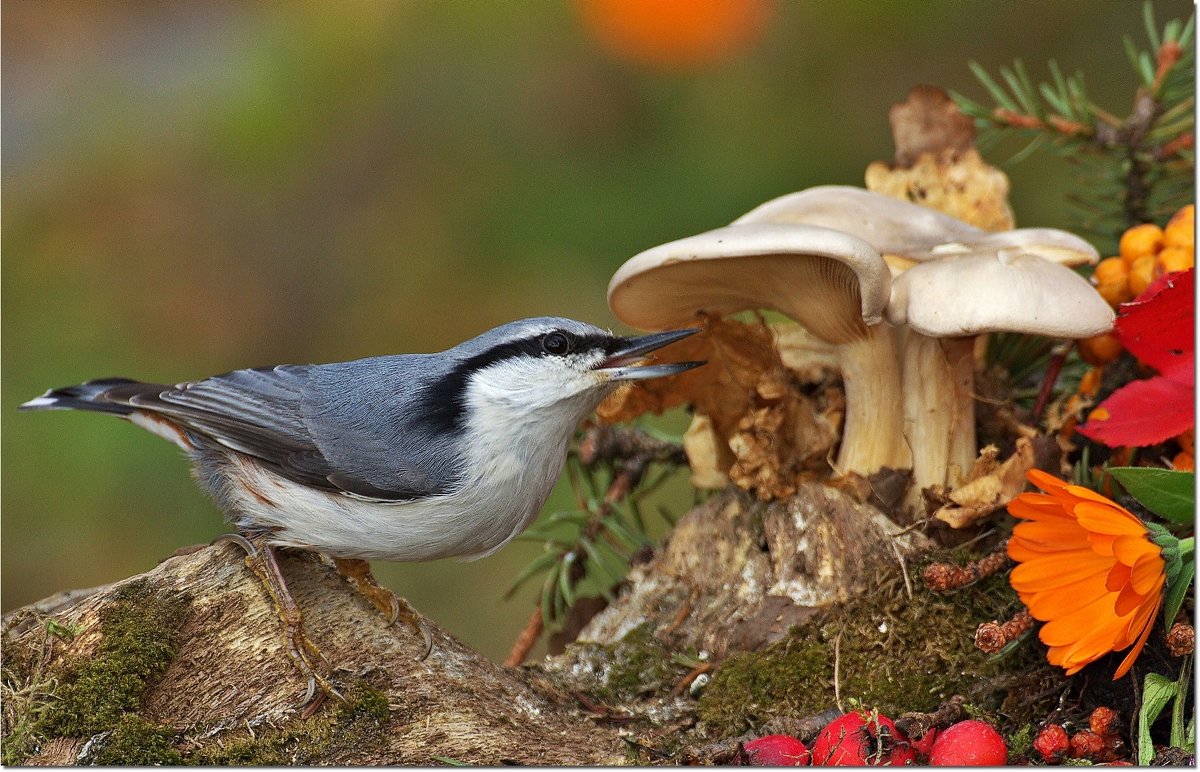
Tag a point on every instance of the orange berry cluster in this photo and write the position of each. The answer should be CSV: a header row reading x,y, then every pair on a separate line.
x,y
1145,252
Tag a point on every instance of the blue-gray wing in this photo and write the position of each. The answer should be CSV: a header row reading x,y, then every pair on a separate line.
x,y
303,427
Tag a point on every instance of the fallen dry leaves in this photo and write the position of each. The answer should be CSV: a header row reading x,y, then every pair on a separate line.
x,y
758,422
992,483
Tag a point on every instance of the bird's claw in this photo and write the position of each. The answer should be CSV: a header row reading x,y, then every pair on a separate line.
x,y
392,605
238,539
414,620
305,654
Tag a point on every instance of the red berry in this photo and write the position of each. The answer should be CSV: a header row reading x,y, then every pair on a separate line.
x,y
1104,721
969,744
1086,744
923,746
855,740
777,750
1052,743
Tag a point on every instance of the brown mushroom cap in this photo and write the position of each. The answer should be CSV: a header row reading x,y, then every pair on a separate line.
x,y
832,283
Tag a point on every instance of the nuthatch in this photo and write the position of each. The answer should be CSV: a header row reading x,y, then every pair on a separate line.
x,y
405,457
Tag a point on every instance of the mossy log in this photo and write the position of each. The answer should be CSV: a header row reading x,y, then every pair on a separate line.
x,y
192,650
185,664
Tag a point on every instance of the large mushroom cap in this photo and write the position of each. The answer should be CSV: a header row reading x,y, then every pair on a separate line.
x,y
889,224
1009,290
832,283
902,228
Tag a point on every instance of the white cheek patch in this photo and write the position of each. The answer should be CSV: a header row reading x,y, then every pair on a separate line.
x,y
165,428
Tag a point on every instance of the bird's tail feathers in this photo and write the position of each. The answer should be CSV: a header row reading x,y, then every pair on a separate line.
x,y
85,396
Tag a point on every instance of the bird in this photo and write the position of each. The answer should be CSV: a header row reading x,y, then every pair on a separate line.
x,y
402,457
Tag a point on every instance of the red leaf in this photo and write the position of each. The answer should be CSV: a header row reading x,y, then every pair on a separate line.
x,y
1143,413
1157,328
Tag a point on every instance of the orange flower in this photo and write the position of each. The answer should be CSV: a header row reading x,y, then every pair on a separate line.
x,y
676,33
1088,569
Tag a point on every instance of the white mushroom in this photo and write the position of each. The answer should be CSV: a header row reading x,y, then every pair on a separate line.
x,y
938,372
817,255
832,283
890,225
1057,246
945,303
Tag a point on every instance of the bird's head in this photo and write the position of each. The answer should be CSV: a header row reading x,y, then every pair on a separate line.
x,y
552,366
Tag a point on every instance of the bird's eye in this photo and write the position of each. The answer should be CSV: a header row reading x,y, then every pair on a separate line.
x,y
557,344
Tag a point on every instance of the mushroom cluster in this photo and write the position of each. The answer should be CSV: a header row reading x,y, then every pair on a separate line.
x,y
900,290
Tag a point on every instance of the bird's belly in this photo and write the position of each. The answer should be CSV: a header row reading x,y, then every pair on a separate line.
x,y
471,522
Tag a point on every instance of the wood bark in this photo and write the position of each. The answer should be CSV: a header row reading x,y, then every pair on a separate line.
x,y
232,675
733,576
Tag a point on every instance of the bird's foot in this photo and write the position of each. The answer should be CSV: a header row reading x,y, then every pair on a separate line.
x,y
392,605
308,659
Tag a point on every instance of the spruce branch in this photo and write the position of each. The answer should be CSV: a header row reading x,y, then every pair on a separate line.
x,y
1144,160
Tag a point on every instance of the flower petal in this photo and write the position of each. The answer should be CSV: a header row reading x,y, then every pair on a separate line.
x,y
1063,600
1118,577
1108,518
1082,494
1147,572
1127,663
1092,646
1128,600
1065,534
1057,569
1134,617
1044,480
1136,621
1080,622
1102,543
1022,550
1130,549
1035,506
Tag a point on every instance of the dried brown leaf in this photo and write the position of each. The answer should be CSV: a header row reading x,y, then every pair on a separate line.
x,y
936,164
708,457
928,121
963,186
737,354
755,425
997,483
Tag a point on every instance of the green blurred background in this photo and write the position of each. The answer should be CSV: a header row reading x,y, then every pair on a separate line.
x,y
194,187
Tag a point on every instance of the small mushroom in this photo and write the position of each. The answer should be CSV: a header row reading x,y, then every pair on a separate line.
x,y
832,283
945,304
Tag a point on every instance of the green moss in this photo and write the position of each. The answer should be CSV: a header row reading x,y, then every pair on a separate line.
x,y
356,725
764,685
636,665
140,637
1020,742
136,742
893,653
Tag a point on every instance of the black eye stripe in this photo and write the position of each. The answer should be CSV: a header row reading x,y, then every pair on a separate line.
x,y
442,401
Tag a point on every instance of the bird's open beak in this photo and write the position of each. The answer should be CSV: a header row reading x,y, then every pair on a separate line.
x,y
624,364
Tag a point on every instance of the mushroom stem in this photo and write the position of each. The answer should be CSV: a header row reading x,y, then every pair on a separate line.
x,y
939,410
873,432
